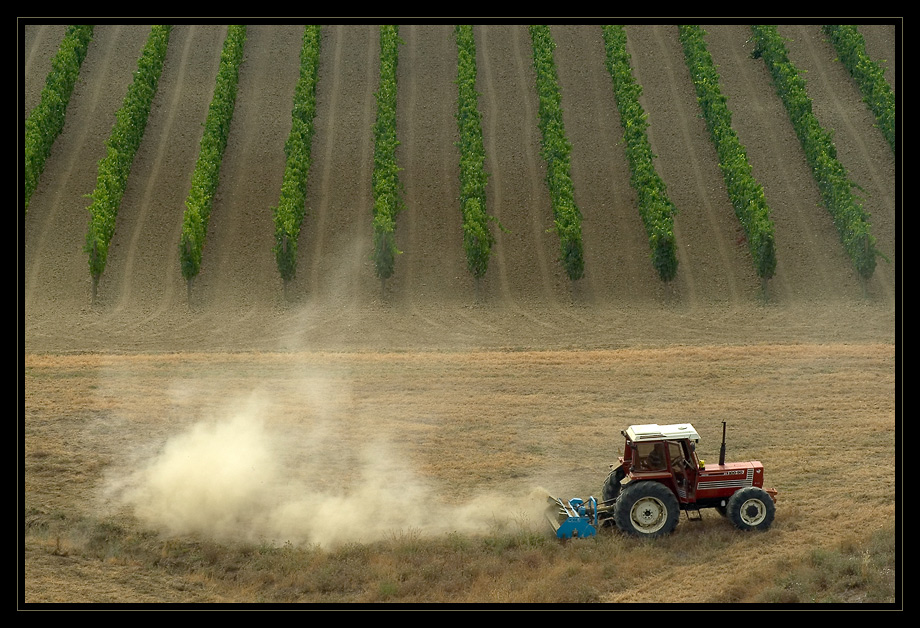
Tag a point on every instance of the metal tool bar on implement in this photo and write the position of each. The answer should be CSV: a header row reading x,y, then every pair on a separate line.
x,y
574,519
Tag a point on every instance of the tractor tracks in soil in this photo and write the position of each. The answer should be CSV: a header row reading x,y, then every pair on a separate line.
x,y
435,268
242,267
657,580
430,223
715,265
615,245
511,147
148,272
148,238
525,254
335,245
314,226
685,271
40,43
227,292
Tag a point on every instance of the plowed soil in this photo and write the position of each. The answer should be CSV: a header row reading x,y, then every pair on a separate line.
x,y
523,380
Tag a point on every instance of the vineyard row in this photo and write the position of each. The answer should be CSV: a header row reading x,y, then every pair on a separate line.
x,y
836,188
654,206
556,150
46,121
122,145
211,153
387,188
477,237
869,76
745,193
289,213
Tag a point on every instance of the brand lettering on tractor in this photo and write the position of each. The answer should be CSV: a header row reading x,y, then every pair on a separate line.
x,y
723,482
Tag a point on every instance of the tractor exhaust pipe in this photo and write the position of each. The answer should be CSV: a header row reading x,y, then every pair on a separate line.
x,y
722,449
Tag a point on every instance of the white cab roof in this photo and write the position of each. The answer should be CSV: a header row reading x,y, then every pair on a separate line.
x,y
653,431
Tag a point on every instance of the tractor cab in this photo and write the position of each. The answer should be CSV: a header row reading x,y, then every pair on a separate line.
x,y
663,452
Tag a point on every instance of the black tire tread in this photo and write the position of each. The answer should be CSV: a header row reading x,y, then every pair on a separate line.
x,y
634,491
733,509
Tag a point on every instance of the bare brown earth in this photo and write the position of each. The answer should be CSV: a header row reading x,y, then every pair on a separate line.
x,y
523,382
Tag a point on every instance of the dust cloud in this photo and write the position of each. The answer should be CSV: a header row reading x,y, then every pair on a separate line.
x,y
237,477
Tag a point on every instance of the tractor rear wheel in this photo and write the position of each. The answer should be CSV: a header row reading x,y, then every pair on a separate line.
x,y
611,489
646,509
751,509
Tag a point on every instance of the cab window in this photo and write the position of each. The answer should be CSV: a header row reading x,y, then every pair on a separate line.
x,y
650,457
677,455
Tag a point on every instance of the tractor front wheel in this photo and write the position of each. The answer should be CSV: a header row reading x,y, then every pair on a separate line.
x,y
751,508
646,509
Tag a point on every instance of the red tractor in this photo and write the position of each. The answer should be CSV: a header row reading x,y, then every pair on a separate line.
x,y
658,475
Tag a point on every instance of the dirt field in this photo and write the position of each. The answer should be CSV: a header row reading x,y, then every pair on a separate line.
x,y
342,390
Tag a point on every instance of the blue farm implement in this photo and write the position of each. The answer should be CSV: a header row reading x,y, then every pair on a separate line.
x,y
574,518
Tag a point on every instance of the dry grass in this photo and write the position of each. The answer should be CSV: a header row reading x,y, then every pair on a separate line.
x,y
416,477
517,565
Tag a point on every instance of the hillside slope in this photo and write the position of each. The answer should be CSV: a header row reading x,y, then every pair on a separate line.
x,y
525,300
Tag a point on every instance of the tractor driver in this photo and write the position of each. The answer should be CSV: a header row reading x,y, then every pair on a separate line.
x,y
652,460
